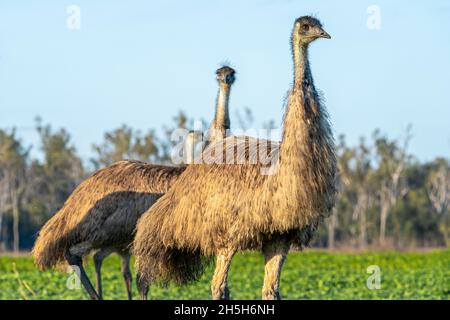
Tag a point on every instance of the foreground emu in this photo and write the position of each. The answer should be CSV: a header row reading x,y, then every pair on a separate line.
x,y
101,213
217,209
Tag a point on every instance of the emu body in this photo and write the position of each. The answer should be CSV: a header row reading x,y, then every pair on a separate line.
x,y
101,215
218,209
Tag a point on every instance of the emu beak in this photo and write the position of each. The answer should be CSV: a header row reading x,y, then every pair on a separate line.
x,y
229,79
324,34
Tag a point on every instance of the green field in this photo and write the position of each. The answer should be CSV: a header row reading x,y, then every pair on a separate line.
x,y
308,275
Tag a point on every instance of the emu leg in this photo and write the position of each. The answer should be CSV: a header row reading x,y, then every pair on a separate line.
x,y
74,258
142,287
275,252
98,261
219,284
126,273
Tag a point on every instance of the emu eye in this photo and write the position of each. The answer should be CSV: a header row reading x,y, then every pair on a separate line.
x,y
305,27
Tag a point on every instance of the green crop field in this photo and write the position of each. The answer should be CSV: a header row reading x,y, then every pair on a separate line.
x,y
308,275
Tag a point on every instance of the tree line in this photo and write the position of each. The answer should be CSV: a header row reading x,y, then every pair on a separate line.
x,y
387,197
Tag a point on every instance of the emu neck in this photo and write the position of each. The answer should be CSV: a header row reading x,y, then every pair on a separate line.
x,y
221,121
189,150
301,63
305,180
295,129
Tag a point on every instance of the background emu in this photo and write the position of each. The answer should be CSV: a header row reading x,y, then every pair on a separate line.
x,y
220,126
102,212
217,209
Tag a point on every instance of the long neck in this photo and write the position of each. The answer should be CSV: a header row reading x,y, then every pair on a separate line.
x,y
301,63
295,130
189,149
221,121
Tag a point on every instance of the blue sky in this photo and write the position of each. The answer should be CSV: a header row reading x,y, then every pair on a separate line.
x,y
139,62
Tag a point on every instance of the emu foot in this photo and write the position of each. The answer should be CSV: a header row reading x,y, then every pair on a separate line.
x,y
220,294
271,294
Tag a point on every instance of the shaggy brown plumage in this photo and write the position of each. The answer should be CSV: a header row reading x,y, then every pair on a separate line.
x,y
216,209
91,212
102,212
101,215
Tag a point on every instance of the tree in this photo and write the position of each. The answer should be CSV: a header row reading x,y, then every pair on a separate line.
x,y
344,154
54,178
438,189
392,160
126,143
362,189
13,160
355,173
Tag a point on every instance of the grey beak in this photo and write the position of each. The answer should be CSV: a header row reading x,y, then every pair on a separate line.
x,y
324,34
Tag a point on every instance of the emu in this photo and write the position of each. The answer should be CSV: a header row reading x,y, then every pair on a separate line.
x,y
216,209
102,212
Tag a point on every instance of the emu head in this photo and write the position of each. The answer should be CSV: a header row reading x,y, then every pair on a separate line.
x,y
225,75
308,29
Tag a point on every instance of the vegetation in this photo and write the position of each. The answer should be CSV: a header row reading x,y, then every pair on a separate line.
x,y
308,275
387,197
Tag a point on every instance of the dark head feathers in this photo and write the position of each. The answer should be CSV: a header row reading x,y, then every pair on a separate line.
x,y
226,75
309,20
225,70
